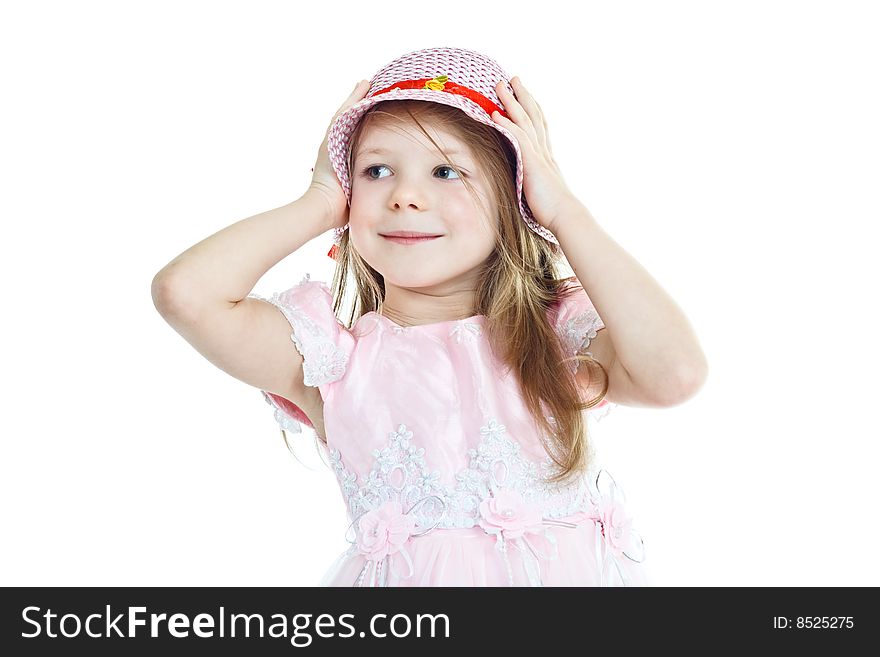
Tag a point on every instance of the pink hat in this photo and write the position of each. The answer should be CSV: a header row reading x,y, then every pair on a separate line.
x,y
453,76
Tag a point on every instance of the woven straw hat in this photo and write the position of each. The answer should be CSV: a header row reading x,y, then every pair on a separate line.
x,y
453,76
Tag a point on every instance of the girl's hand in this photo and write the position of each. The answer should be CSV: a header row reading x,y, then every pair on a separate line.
x,y
545,190
324,179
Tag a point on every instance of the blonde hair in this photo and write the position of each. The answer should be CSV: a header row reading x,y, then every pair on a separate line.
x,y
516,287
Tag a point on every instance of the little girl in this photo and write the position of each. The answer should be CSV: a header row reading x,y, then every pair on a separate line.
x,y
454,403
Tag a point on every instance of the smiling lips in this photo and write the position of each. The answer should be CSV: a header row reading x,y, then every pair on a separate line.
x,y
409,236
411,240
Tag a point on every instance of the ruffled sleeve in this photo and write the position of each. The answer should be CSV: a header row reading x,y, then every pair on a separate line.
x,y
577,322
320,338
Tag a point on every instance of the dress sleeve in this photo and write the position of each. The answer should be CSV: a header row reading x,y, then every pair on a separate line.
x,y
320,338
577,322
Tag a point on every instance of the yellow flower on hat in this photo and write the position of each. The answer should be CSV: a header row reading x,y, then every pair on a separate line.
x,y
437,83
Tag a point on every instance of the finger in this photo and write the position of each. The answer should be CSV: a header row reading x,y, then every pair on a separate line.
x,y
356,94
512,106
531,107
507,123
540,124
544,124
359,87
523,138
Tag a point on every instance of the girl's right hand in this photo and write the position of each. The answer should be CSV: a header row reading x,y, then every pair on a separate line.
x,y
324,180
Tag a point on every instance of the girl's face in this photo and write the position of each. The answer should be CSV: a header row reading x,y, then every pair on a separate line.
x,y
407,186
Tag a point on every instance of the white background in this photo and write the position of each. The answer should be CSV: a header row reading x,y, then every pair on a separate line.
x,y
731,147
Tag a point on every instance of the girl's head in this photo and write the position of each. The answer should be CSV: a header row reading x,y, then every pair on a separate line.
x,y
473,198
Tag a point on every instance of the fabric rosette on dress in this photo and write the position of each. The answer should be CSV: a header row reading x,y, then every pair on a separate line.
x,y
382,535
515,522
617,539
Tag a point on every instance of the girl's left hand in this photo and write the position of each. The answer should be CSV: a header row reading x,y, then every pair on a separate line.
x,y
544,188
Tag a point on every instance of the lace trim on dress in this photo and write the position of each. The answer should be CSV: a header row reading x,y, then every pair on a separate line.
x,y
323,361
284,420
576,333
501,491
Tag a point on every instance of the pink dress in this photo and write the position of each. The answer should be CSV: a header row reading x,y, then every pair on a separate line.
x,y
439,464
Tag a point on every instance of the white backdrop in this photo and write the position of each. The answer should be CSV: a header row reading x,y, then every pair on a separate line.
x,y
731,147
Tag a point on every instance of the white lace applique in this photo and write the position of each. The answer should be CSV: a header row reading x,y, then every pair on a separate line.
x,y
285,421
323,361
496,463
576,334
578,331
400,472
471,330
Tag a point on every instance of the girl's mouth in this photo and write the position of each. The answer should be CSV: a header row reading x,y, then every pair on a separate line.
x,y
411,240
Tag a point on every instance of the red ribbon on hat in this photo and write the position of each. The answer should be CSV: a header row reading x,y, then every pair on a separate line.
x,y
442,83
439,83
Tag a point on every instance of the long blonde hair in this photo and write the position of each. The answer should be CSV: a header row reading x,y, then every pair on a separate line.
x,y
516,287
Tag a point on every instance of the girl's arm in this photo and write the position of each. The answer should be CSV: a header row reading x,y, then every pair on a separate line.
x,y
222,269
202,294
649,338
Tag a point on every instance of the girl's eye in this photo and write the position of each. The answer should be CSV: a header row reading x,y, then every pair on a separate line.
x,y
366,172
